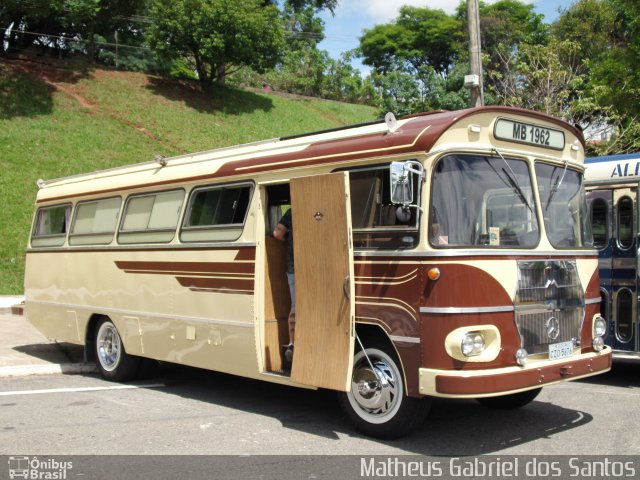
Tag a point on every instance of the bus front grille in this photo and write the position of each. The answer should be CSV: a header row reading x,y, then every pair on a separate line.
x,y
549,304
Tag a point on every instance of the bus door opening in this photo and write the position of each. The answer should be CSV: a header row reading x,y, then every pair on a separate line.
x,y
277,299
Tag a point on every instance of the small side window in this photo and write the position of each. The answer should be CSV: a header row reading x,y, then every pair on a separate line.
x,y
600,223
378,223
50,228
216,213
151,218
625,222
95,222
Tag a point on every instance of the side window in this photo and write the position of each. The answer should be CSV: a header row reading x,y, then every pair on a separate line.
x,y
151,218
600,223
50,228
94,222
377,222
625,222
216,213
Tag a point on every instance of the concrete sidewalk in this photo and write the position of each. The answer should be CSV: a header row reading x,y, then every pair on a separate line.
x,y
25,351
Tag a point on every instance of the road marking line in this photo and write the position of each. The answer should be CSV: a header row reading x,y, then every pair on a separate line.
x,y
80,389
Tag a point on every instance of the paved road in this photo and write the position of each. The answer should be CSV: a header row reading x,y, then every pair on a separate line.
x,y
183,411
187,411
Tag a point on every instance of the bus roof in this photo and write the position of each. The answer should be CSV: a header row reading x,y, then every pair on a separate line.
x,y
611,158
612,169
415,133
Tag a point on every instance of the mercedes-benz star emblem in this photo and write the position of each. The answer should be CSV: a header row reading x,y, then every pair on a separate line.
x,y
553,328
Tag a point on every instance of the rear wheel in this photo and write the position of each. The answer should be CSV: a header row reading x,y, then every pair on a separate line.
x,y
376,403
113,362
512,401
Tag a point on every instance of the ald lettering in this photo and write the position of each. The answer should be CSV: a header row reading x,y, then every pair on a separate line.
x,y
625,170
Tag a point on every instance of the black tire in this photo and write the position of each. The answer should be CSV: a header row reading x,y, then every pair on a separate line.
x,y
113,362
512,401
377,404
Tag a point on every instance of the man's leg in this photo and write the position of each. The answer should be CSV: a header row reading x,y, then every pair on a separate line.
x,y
292,317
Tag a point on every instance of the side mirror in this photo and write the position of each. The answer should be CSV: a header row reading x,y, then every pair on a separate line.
x,y
401,183
401,179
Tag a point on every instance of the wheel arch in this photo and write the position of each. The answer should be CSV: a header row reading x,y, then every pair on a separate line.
x,y
90,336
372,335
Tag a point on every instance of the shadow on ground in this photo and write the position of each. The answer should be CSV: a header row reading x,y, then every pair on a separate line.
x,y
453,428
53,352
228,100
27,86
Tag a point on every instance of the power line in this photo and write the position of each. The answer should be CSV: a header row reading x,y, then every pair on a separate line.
x,y
304,35
71,39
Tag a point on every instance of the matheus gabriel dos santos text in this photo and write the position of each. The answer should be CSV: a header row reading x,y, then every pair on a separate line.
x,y
496,467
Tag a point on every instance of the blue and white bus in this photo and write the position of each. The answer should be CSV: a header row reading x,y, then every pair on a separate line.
x,y
612,193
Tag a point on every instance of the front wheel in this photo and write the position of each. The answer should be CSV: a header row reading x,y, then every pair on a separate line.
x,y
512,401
376,403
113,362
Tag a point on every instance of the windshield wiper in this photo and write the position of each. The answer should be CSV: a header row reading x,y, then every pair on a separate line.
x,y
513,182
556,186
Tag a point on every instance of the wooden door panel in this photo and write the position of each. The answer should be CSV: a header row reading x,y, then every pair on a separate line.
x,y
324,335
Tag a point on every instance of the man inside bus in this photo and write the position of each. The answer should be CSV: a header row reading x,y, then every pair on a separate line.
x,y
284,233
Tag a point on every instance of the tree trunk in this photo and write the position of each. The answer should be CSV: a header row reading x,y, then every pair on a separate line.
x,y
221,75
203,75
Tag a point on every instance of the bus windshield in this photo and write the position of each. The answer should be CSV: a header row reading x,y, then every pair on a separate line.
x,y
482,201
564,206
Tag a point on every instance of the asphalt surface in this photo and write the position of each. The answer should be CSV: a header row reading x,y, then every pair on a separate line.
x,y
222,426
25,351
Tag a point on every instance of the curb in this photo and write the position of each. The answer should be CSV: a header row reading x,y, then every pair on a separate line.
x,y
17,309
11,304
47,369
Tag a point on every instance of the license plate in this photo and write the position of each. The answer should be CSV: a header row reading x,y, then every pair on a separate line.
x,y
560,350
537,135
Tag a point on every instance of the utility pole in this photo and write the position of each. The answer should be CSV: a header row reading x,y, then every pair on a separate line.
x,y
474,81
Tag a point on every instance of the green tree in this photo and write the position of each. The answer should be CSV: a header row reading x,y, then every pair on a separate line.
x,y
510,23
65,25
539,77
592,24
400,92
413,58
343,82
419,37
608,32
617,67
216,36
298,5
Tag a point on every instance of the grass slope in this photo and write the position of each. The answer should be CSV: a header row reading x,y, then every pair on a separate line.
x,y
57,121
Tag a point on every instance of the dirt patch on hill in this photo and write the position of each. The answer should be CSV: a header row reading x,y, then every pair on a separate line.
x,y
65,79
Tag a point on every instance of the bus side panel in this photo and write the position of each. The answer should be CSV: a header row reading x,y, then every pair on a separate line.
x,y
388,294
45,295
195,309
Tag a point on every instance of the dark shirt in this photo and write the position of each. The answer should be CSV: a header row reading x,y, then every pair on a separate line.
x,y
288,222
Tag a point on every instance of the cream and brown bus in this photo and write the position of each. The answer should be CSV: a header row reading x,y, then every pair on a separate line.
x,y
440,255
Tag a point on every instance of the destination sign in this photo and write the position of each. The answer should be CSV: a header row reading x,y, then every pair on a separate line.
x,y
519,132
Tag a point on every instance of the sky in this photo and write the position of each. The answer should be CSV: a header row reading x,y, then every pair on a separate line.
x,y
354,16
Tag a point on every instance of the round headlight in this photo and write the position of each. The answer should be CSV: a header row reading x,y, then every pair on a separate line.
x,y
599,326
472,344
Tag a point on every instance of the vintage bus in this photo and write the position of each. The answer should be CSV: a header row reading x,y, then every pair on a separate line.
x,y
612,190
439,255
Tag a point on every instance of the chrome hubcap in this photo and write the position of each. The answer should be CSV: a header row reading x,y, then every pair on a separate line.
x,y
375,391
108,346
